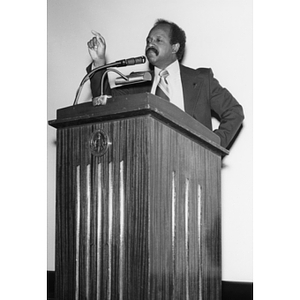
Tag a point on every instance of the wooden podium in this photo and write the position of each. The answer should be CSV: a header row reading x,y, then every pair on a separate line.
x,y
138,211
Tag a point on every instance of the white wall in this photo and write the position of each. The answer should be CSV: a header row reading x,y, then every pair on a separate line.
x,y
219,35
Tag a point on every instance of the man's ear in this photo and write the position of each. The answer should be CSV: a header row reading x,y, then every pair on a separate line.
x,y
175,47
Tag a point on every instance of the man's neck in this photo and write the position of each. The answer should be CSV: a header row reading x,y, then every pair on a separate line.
x,y
170,66
166,65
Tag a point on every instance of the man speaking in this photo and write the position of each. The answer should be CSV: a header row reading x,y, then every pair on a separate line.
x,y
196,92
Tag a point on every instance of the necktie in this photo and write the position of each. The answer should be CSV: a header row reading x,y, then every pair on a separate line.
x,y
162,89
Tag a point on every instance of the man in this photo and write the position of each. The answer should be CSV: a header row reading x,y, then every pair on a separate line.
x,y
196,92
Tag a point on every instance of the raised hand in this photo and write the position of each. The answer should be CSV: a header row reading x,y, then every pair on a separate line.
x,y
97,48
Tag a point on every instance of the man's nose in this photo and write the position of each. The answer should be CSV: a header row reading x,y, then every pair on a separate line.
x,y
151,43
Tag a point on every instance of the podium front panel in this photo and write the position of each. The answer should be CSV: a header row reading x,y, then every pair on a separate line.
x,y
141,220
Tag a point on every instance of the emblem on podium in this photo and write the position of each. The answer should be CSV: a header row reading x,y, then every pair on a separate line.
x,y
99,143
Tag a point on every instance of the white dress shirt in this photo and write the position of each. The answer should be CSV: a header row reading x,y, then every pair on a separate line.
x,y
174,83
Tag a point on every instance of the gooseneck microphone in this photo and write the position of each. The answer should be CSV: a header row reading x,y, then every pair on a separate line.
x,y
131,61
118,63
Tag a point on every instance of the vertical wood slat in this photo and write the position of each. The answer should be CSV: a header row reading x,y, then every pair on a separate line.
x,y
122,250
77,232
110,229
147,241
99,230
174,204
88,230
199,224
186,217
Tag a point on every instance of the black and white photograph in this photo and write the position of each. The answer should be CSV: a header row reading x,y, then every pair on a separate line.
x,y
150,149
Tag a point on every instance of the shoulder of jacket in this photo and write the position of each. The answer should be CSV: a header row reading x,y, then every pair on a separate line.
x,y
198,71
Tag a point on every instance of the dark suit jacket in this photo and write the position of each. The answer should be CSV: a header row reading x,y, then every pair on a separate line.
x,y
202,95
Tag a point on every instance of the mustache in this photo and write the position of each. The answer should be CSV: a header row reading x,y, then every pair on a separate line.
x,y
151,48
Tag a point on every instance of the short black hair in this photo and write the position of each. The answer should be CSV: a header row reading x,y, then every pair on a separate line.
x,y
177,35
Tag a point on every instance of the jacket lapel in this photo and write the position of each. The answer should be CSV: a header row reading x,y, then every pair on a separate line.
x,y
191,85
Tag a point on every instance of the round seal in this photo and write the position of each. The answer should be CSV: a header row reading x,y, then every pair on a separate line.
x,y
99,143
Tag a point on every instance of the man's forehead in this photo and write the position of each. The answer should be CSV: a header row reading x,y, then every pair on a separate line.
x,y
161,29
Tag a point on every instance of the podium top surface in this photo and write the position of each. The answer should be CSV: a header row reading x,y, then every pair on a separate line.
x,y
137,105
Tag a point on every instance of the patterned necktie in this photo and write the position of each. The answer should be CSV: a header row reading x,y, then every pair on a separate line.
x,y
162,89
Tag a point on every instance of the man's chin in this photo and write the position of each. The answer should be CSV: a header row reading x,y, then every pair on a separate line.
x,y
151,58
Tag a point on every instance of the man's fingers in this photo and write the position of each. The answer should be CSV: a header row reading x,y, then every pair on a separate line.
x,y
98,36
90,44
96,43
93,43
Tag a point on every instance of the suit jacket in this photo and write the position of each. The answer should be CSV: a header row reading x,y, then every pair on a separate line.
x,y
203,96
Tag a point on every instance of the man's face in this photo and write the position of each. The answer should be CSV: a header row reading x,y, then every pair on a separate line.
x,y
159,50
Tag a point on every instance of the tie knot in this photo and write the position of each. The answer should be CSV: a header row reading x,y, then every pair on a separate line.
x,y
164,74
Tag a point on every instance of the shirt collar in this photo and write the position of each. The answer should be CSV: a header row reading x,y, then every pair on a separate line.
x,y
173,68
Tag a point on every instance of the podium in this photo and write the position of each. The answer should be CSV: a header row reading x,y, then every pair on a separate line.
x,y
138,206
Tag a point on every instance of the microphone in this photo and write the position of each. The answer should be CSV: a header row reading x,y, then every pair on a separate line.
x,y
130,61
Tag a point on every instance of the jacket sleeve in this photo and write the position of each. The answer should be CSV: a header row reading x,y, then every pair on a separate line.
x,y
95,81
228,110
